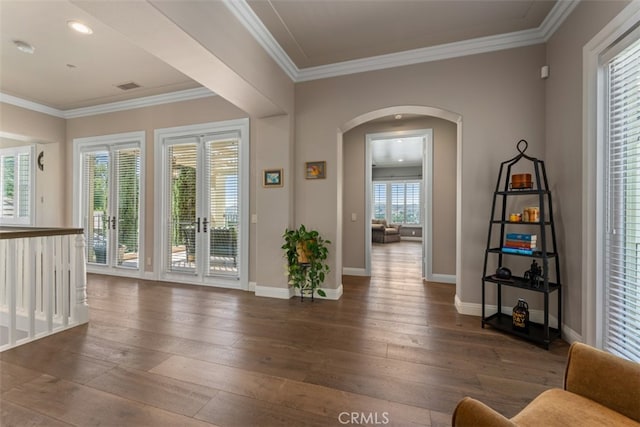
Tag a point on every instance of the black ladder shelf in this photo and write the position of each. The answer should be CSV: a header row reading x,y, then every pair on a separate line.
x,y
546,252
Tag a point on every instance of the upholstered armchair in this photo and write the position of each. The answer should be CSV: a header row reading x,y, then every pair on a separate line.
x,y
381,232
600,389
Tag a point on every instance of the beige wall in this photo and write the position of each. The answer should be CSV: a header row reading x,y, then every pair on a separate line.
x,y
203,110
500,97
49,133
444,190
564,140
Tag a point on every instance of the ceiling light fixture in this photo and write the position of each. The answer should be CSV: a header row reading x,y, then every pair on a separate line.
x,y
398,116
79,27
401,160
24,46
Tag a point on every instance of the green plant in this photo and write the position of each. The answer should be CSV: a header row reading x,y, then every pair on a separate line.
x,y
306,252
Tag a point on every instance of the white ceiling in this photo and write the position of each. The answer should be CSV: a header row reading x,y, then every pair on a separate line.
x,y
311,32
397,152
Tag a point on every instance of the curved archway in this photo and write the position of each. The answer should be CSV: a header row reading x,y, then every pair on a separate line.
x,y
389,111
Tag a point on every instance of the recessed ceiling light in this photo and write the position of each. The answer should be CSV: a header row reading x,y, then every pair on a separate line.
x,y
401,160
24,46
79,27
398,116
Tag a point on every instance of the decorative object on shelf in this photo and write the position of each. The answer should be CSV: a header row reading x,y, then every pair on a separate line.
x,y
272,178
520,316
531,215
532,236
315,170
521,181
306,252
515,217
503,273
534,274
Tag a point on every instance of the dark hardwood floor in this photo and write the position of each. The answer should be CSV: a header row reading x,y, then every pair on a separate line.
x,y
393,350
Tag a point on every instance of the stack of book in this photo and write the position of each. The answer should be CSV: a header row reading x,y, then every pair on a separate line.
x,y
520,243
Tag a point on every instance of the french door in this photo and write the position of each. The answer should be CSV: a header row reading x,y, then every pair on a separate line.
x,y
201,207
110,204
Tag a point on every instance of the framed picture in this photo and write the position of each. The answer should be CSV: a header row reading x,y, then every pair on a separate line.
x,y
272,178
315,170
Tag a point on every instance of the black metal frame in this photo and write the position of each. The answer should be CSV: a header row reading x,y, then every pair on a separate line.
x,y
539,333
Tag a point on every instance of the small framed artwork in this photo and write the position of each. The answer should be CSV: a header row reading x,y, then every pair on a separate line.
x,y
272,178
316,170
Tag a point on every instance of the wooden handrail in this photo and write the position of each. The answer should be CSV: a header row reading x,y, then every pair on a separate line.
x,y
8,232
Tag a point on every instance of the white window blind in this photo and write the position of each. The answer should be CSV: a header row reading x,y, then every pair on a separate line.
x,y
621,331
128,208
16,186
379,201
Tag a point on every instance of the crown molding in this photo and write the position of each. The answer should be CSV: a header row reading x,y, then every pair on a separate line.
x,y
30,105
561,10
256,28
146,101
427,54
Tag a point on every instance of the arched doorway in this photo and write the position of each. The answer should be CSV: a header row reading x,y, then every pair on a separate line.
x,y
403,110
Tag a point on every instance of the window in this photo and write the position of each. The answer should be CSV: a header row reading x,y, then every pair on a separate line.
x,y
16,186
621,243
397,201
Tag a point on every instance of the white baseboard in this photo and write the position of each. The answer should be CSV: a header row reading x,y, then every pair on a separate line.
x,y
332,294
411,238
273,291
442,278
570,336
474,309
252,287
349,271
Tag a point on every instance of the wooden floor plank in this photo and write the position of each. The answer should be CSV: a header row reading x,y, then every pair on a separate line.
x,y
159,353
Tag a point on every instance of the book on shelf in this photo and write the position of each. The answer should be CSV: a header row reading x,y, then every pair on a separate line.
x,y
520,251
525,244
522,236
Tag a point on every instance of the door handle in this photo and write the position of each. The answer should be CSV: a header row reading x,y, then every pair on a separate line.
x,y
204,224
198,225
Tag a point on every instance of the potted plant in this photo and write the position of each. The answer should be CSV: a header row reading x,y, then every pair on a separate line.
x,y
306,252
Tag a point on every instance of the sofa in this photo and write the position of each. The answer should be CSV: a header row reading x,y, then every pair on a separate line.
x,y
600,389
381,232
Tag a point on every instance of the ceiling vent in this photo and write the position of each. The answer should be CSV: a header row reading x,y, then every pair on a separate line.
x,y
128,86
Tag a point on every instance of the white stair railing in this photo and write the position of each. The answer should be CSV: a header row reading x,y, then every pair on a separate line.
x,y
42,283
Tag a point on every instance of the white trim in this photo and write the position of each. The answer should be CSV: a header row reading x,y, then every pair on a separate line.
x,y
541,34
273,292
470,309
443,278
426,196
561,10
592,166
351,271
30,105
138,139
256,28
239,126
32,150
146,101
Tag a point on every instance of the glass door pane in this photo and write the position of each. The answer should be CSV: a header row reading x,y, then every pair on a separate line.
x,y
128,209
182,226
96,213
223,206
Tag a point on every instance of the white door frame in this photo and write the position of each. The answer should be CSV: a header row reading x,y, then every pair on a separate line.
x,y
241,128
108,142
426,210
